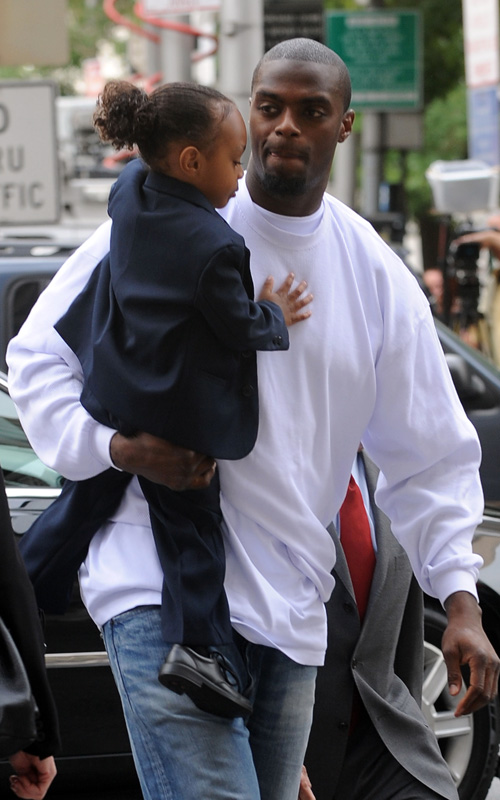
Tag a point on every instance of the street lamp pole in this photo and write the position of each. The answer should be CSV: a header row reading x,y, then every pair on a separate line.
x,y
371,153
241,44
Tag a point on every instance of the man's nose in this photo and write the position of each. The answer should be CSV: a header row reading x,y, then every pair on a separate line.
x,y
287,124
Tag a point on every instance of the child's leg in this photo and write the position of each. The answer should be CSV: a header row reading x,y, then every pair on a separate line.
x,y
188,537
187,531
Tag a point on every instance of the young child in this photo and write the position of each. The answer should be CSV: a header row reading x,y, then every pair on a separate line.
x,y
166,331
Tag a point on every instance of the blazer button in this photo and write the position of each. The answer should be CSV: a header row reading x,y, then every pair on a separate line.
x,y
278,341
246,353
247,390
343,726
348,607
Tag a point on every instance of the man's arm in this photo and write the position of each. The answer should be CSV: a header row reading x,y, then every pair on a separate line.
x,y
429,487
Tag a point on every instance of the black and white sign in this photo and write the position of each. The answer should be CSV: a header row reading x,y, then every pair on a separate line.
x,y
29,175
287,19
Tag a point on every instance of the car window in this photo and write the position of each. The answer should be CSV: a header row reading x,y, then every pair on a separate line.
x,y
20,465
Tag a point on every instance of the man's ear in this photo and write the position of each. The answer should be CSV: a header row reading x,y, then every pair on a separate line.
x,y
189,160
346,127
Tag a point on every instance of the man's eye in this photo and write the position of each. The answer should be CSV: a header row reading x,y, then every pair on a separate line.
x,y
267,108
315,112
237,163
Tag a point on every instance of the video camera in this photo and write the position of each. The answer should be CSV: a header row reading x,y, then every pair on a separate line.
x,y
463,188
462,274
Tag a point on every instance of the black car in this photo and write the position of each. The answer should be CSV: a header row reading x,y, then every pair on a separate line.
x,y
96,753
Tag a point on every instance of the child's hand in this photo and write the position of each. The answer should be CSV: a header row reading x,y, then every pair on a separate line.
x,y
290,302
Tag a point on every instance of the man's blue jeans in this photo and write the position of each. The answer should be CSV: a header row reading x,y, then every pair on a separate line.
x,y
182,753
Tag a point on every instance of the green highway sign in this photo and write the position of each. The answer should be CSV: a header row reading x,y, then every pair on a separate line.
x,y
383,52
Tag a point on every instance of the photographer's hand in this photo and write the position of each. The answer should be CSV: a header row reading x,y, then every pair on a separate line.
x,y
489,238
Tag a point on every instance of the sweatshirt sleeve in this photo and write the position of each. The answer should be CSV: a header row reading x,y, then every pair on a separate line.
x,y
238,321
45,377
429,455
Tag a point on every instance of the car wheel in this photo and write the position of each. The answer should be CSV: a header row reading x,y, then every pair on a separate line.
x,y
469,744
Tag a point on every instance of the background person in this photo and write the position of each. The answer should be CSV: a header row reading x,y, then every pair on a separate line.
x,y
367,367
34,767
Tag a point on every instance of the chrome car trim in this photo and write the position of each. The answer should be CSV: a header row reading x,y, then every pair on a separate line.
x,y
490,524
97,658
32,492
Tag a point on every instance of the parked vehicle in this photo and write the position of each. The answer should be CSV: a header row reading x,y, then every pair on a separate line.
x,y
96,750
26,267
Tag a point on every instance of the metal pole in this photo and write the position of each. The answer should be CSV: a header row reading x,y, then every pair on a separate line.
x,y
175,53
371,163
241,44
371,152
343,182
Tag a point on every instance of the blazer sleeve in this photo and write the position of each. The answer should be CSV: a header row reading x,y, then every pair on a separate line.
x,y
19,611
238,321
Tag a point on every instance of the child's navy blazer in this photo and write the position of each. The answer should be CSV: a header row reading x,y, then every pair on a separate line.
x,y
167,328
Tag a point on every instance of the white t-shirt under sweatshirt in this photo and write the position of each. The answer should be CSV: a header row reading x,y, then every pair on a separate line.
x,y
366,367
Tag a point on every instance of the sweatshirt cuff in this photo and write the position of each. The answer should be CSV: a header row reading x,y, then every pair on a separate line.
x,y
449,583
100,441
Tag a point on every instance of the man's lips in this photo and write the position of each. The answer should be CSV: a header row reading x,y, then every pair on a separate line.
x,y
285,154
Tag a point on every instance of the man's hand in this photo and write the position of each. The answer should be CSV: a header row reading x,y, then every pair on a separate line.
x,y
162,462
465,642
305,790
33,775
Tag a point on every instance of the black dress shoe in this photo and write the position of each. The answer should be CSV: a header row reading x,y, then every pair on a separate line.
x,y
207,680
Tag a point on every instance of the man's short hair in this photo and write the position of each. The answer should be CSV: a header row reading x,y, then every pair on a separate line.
x,y
302,49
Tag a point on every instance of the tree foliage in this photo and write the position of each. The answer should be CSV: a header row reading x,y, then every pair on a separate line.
x,y
88,24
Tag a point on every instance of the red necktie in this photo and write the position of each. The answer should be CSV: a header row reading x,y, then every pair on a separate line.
x,y
355,535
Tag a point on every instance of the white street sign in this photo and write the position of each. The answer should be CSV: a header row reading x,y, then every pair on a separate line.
x,y
29,175
481,42
179,6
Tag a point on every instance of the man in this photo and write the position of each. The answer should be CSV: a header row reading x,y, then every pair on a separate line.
x,y
374,665
366,366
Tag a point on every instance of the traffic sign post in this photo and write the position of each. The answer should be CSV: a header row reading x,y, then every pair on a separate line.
x,y
383,52
29,174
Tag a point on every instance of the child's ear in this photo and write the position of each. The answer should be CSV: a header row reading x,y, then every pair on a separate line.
x,y
189,160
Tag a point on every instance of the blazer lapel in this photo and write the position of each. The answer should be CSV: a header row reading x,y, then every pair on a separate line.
x,y
384,552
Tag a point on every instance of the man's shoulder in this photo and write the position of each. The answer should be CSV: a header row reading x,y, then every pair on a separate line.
x,y
348,216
